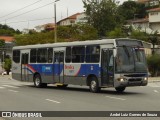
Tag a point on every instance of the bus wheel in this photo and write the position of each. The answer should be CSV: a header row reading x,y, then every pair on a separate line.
x,y
120,89
94,86
38,82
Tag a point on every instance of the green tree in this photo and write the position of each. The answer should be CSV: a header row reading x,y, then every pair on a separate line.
x,y
7,65
154,64
132,10
102,15
116,33
154,39
2,43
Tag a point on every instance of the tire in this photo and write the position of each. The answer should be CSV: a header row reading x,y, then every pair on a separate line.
x,y
120,89
38,82
94,85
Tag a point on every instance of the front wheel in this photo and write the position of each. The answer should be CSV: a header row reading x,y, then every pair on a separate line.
x,y
120,89
38,82
94,86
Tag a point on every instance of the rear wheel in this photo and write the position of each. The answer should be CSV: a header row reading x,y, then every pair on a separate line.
x,y
94,86
120,89
38,82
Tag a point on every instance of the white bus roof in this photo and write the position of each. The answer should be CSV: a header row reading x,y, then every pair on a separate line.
x,y
64,44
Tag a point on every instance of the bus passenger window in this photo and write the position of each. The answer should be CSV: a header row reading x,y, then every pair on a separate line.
x,y
42,55
92,54
33,56
78,54
50,55
68,55
16,56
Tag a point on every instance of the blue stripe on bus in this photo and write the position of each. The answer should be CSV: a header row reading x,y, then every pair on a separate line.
x,y
49,69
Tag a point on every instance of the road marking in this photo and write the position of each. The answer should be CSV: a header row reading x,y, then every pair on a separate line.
x,y
13,90
2,87
10,86
115,98
52,101
156,91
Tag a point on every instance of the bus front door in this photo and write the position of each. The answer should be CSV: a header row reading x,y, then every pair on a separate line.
x,y
24,71
107,67
59,66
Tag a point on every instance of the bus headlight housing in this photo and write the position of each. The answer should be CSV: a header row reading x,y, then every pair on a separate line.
x,y
121,79
145,79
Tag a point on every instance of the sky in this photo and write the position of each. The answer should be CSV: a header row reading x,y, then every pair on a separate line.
x,y
26,14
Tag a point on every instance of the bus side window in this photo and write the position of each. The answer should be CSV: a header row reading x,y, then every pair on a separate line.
x,y
68,56
50,55
33,56
92,54
16,56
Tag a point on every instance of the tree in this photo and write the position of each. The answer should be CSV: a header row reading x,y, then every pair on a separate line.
x,y
153,38
77,32
7,65
132,10
102,15
154,64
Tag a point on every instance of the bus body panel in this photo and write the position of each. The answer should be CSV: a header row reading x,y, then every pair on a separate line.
x,y
77,73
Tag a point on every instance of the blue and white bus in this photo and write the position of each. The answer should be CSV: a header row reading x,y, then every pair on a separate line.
x,y
117,63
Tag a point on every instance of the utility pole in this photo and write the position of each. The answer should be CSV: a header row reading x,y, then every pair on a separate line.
x,y
55,20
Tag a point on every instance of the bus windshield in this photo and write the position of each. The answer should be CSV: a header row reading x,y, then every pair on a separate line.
x,y
130,59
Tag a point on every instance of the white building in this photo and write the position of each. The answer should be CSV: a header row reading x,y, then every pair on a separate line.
x,y
81,18
154,19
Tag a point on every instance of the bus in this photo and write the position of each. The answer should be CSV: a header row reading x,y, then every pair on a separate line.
x,y
117,63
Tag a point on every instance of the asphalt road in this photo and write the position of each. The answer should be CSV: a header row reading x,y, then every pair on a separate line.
x,y
20,96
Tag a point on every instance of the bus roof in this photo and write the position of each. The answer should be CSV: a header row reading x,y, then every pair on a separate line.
x,y
64,44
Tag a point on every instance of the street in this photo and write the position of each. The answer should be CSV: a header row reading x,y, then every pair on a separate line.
x,y
21,96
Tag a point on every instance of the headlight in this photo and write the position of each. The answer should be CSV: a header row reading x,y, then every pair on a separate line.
x,y
121,79
145,78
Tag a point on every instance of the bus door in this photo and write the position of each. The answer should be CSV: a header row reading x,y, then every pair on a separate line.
x,y
59,66
24,70
107,67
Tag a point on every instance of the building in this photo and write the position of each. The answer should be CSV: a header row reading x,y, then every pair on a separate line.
x,y
45,27
154,19
81,18
69,20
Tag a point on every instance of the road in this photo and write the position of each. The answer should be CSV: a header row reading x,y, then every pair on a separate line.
x,y
21,96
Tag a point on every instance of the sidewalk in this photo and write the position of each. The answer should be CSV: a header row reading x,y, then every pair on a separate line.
x,y
154,79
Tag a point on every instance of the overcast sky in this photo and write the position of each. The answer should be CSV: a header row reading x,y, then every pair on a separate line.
x,y
30,19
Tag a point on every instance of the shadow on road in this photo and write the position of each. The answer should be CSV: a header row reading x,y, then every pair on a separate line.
x,y
110,91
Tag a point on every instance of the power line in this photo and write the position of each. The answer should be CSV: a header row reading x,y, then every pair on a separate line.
x,y
20,9
27,11
29,20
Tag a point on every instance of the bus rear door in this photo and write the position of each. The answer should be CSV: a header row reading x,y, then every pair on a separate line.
x,y
24,63
107,67
58,66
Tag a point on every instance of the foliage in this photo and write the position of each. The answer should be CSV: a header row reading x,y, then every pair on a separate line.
x,y
2,42
153,38
64,34
102,15
8,31
132,10
136,34
117,32
154,64
7,65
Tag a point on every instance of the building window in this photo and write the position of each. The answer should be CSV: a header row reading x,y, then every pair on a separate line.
x,y
16,56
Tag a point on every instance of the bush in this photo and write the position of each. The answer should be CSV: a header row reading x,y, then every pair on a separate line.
x,y
154,64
